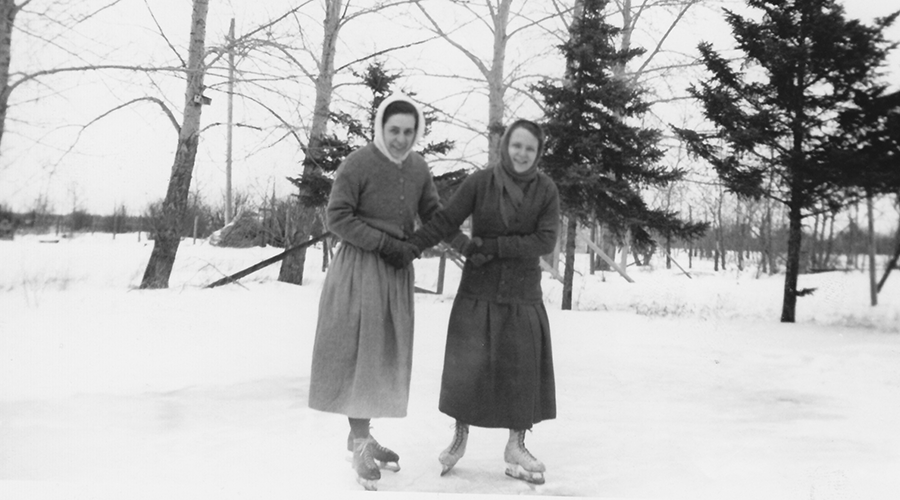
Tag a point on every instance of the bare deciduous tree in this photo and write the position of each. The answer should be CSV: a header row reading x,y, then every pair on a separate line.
x,y
338,14
167,238
9,81
497,73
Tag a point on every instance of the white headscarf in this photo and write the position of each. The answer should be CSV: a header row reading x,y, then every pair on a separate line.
x,y
379,128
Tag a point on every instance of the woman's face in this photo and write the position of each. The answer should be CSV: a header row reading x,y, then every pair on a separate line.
x,y
399,132
523,148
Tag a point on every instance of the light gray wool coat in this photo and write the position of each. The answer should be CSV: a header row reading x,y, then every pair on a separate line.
x,y
362,357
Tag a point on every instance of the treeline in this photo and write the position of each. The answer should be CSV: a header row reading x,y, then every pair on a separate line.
x,y
738,246
40,220
256,223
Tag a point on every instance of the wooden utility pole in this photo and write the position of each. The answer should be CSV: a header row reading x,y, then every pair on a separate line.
x,y
229,210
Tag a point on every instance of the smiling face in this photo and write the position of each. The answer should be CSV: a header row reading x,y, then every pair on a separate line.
x,y
399,133
523,149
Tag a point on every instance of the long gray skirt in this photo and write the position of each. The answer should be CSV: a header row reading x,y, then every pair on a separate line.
x,y
498,365
362,356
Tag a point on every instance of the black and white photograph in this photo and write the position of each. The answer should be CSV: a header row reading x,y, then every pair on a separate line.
x,y
449,249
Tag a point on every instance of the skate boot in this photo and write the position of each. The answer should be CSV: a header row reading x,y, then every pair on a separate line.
x,y
520,463
457,447
367,472
385,457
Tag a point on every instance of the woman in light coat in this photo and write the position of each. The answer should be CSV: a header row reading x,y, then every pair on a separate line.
x,y
362,357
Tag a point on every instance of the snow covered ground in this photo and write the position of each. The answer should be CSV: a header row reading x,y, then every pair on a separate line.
x,y
667,388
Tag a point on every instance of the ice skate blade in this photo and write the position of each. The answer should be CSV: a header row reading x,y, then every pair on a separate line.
x,y
368,484
391,466
447,462
516,471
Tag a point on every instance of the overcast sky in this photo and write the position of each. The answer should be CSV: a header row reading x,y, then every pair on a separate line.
x,y
125,158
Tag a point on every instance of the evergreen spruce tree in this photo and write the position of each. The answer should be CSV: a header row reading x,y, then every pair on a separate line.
x,y
868,144
869,147
355,133
598,157
776,116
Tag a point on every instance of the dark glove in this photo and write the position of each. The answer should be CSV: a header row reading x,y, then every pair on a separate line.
x,y
480,259
471,247
397,253
489,246
476,252
418,242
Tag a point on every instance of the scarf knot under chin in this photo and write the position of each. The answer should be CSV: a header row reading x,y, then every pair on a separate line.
x,y
509,185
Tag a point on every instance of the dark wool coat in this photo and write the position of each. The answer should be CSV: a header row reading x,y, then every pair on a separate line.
x,y
515,275
498,363
362,357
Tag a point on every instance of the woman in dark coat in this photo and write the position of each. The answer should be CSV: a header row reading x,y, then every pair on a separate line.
x,y
498,365
362,357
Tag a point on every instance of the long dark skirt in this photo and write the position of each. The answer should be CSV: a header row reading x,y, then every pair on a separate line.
x,y
498,365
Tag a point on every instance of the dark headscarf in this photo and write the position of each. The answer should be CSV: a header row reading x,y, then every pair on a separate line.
x,y
509,182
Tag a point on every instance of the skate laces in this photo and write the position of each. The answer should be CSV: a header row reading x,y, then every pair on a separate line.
x,y
383,453
521,442
364,450
364,463
458,436
379,451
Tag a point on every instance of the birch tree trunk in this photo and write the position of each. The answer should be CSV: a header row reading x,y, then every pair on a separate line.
x,y
168,234
304,220
493,72
496,83
8,11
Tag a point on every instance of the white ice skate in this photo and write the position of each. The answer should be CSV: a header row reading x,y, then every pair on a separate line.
x,y
457,448
385,457
367,472
520,463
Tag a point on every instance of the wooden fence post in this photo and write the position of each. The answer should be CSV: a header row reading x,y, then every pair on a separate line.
x,y
442,267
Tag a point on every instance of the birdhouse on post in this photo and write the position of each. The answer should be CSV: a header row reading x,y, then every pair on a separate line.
x,y
201,100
